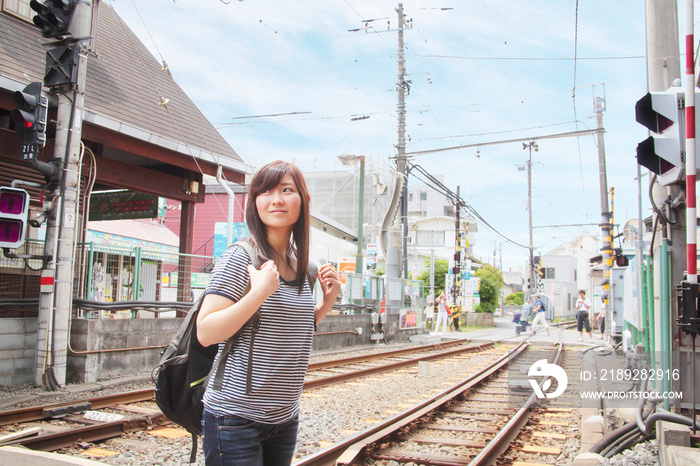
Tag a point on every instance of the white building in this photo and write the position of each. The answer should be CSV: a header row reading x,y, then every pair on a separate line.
x,y
567,270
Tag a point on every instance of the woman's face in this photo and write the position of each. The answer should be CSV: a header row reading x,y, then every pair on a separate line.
x,y
279,207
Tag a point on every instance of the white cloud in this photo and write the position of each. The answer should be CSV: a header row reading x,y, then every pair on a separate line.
x,y
263,57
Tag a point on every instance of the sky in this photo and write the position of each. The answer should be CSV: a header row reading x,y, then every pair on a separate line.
x,y
288,79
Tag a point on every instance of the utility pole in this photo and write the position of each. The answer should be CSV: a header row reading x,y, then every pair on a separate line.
x,y
55,307
663,68
401,87
606,226
529,146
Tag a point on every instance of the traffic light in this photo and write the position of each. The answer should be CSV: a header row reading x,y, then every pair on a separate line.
x,y
14,213
53,17
663,114
541,272
30,119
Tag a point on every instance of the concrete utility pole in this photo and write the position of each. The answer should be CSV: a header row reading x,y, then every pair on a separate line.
x,y
663,68
606,226
55,307
529,146
401,87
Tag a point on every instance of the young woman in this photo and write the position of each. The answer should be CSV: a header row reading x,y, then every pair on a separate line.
x,y
442,312
260,427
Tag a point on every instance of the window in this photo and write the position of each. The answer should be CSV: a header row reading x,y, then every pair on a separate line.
x,y
423,238
18,8
549,273
423,196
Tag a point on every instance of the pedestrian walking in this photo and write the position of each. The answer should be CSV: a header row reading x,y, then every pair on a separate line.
x,y
583,306
259,427
539,315
601,318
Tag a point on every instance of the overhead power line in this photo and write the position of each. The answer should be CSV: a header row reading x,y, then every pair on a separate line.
x,y
505,141
440,187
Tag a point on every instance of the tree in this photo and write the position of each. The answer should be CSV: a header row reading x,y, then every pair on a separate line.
x,y
490,287
516,299
441,266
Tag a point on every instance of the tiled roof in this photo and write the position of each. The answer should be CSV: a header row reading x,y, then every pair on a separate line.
x,y
137,229
124,84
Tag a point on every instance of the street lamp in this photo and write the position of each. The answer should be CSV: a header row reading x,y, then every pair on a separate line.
x,y
351,160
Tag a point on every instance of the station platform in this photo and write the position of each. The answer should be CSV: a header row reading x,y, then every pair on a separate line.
x,y
18,456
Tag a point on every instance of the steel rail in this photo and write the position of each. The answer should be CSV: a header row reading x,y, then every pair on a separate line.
x,y
93,433
384,354
345,452
502,441
333,379
37,413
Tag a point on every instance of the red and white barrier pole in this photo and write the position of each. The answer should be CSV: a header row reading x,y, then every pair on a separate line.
x,y
691,215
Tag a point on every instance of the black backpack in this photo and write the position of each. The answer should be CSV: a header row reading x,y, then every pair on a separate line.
x,y
185,366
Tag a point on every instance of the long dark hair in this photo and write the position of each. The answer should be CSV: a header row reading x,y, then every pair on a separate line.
x,y
266,178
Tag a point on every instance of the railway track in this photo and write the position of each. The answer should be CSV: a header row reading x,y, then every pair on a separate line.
x,y
480,420
321,374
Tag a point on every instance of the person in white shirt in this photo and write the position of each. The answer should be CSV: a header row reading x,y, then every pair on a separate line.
x,y
583,307
442,313
601,319
429,311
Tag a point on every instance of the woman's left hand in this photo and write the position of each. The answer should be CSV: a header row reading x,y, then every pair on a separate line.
x,y
329,280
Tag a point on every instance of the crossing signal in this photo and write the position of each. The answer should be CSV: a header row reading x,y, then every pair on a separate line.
x,y
14,214
53,17
30,119
663,114
541,272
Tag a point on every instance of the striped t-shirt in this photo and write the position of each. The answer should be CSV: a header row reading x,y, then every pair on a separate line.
x,y
281,351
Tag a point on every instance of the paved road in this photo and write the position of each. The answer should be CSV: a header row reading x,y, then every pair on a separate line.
x,y
505,329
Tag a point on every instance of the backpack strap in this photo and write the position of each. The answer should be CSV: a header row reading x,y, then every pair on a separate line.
x,y
254,322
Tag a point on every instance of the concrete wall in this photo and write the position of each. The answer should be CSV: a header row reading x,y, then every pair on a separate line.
x,y
482,319
99,337
100,346
17,350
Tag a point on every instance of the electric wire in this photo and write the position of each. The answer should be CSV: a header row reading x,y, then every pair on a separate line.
x,y
573,99
165,105
438,186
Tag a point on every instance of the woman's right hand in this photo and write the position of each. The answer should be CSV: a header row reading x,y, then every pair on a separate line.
x,y
266,280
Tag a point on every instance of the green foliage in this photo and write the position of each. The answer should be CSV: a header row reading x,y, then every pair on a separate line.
x,y
490,288
441,266
485,306
517,299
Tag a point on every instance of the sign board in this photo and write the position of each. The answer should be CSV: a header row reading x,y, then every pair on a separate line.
x,y
408,318
346,265
240,230
122,205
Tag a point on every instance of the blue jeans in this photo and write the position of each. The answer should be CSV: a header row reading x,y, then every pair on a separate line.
x,y
235,441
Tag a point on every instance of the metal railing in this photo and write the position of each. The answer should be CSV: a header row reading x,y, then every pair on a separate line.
x,y
154,277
